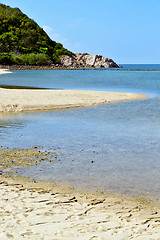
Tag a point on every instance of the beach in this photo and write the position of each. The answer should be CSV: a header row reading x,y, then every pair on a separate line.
x,y
44,210
17,100
40,210
4,71
26,100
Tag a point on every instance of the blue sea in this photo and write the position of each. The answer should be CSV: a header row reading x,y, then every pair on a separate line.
x,y
112,147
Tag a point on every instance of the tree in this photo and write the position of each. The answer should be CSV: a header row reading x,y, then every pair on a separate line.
x,y
21,35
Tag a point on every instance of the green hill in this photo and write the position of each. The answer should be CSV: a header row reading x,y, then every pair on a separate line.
x,y
22,41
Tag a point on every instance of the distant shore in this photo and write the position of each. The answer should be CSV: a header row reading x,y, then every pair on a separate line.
x,y
60,67
36,67
50,67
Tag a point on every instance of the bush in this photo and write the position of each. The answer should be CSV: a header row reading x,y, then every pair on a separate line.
x,y
32,59
17,59
25,59
56,59
6,58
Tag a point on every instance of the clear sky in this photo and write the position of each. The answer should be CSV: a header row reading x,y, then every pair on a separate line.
x,y
128,31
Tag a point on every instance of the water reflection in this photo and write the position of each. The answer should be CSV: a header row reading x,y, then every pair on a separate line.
x,y
10,123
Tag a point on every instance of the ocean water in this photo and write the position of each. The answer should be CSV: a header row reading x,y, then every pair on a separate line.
x,y
142,67
113,147
100,80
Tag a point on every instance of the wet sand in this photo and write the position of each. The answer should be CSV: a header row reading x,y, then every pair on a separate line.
x,y
36,210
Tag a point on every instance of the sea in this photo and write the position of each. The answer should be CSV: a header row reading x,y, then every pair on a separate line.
x,y
110,147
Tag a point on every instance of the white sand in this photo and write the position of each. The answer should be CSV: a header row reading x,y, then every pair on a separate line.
x,y
33,213
18,100
4,71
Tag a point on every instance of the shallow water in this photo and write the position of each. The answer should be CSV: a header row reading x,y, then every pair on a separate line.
x,y
113,147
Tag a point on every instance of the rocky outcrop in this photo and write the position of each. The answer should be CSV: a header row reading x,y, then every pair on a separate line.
x,y
86,60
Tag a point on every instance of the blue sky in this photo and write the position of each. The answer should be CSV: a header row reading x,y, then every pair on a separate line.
x,y
128,31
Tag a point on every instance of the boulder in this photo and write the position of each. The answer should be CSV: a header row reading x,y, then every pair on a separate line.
x,y
98,64
106,65
90,60
67,61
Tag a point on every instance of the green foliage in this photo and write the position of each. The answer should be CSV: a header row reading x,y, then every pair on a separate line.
x,y
22,35
35,59
26,59
56,59
6,59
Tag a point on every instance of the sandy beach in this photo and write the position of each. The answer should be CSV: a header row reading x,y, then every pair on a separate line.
x,y
17,100
21,100
4,71
35,210
44,210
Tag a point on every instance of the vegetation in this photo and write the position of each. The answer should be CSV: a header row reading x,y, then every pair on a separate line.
x,y
22,41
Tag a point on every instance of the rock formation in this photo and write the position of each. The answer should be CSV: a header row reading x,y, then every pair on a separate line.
x,y
85,60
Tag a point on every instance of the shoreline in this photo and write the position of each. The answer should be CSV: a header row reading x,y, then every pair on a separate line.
x,y
4,71
32,209
26,100
13,159
32,100
46,210
54,67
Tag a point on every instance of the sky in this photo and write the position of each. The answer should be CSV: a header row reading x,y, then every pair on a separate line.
x,y
127,31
